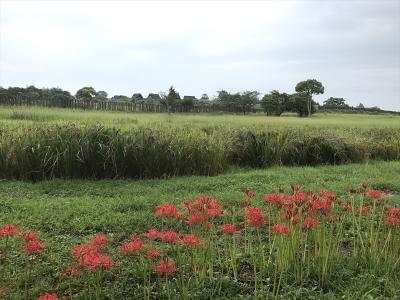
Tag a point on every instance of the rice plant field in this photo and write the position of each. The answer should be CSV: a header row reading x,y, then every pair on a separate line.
x,y
285,207
34,115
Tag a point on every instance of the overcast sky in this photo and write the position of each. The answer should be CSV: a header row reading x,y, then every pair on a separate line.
x,y
352,47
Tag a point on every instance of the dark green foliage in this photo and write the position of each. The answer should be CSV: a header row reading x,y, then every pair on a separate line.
x,y
299,103
335,103
310,87
86,93
275,103
70,151
244,102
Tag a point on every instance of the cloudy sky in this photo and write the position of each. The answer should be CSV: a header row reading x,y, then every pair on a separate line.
x,y
352,47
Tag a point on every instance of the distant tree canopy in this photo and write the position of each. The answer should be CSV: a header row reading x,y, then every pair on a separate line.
x,y
244,100
309,88
120,98
170,100
335,103
33,93
275,103
86,93
101,95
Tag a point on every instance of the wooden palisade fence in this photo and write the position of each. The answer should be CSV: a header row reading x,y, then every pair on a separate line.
x,y
115,106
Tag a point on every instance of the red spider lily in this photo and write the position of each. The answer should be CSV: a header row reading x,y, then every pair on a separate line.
x,y
327,195
255,217
30,236
362,209
250,193
392,221
376,194
97,261
346,205
165,268
168,211
274,199
73,272
85,250
3,291
310,223
353,190
229,229
34,247
214,212
323,206
300,197
8,230
196,219
246,202
394,211
133,247
153,253
99,241
169,236
48,297
202,204
280,229
152,234
191,240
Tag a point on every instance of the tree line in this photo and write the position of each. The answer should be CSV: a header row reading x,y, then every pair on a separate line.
x,y
273,103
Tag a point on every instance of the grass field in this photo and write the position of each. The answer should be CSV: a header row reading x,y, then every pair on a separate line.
x,y
352,255
32,116
69,212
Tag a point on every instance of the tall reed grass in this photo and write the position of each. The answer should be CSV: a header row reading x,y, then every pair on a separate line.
x,y
95,151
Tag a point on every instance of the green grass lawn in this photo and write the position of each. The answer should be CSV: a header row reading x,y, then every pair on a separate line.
x,y
37,115
68,212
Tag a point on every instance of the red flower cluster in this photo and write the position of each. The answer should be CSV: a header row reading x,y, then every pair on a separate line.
x,y
310,223
168,211
201,210
165,268
393,217
30,236
169,236
133,247
376,194
90,258
250,193
191,240
152,234
100,241
153,253
8,230
229,229
255,217
73,272
280,229
33,247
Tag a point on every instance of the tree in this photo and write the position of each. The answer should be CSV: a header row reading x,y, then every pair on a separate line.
x,y
171,99
204,97
299,103
246,100
120,98
86,93
360,106
101,95
335,103
310,87
275,103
